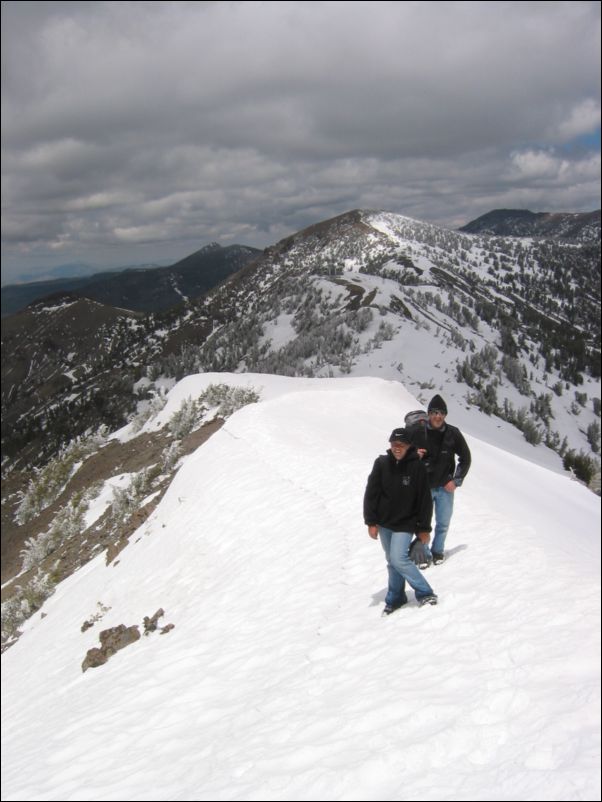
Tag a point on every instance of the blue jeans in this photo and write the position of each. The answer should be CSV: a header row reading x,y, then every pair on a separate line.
x,y
443,506
396,546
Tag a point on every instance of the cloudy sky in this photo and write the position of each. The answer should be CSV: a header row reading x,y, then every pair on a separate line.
x,y
139,132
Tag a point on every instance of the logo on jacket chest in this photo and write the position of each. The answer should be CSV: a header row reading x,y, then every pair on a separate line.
x,y
406,481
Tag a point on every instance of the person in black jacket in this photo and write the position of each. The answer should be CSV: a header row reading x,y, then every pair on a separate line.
x,y
397,505
438,443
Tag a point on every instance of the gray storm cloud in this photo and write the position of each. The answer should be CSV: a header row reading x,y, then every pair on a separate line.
x,y
160,125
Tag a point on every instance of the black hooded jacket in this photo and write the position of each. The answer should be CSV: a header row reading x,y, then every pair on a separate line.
x,y
397,494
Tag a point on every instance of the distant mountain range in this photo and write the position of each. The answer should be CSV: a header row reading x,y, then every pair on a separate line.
x,y
578,227
143,289
151,288
76,270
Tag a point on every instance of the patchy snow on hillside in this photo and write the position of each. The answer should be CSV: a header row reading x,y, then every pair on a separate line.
x,y
105,497
281,680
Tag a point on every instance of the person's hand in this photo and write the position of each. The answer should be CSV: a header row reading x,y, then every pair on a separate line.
x,y
373,532
421,452
423,537
450,486
420,554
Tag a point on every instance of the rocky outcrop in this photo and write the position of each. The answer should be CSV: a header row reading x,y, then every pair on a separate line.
x,y
111,640
151,624
116,638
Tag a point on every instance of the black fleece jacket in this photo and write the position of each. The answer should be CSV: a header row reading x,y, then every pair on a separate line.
x,y
442,447
397,494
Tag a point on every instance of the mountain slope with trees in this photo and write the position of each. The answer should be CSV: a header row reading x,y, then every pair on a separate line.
x,y
576,227
508,326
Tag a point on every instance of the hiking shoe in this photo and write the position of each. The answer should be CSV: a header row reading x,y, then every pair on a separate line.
x,y
390,608
430,599
438,558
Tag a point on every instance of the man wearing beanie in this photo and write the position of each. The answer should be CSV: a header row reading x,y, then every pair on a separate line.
x,y
439,443
397,506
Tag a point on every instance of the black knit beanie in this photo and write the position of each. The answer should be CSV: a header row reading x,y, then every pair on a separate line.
x,y
437,402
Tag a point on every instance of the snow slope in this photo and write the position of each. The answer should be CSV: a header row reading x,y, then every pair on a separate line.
x,y
281,681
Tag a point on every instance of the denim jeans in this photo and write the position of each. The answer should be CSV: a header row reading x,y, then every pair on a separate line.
x,y
396,546
443,506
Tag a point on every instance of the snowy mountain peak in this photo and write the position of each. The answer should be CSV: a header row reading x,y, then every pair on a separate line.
x,y
509,327
211,246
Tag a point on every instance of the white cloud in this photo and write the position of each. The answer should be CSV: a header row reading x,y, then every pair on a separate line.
x,y
584,118
539,166
532,164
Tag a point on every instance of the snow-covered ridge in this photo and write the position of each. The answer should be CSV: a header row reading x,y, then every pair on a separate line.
x,y
280,679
